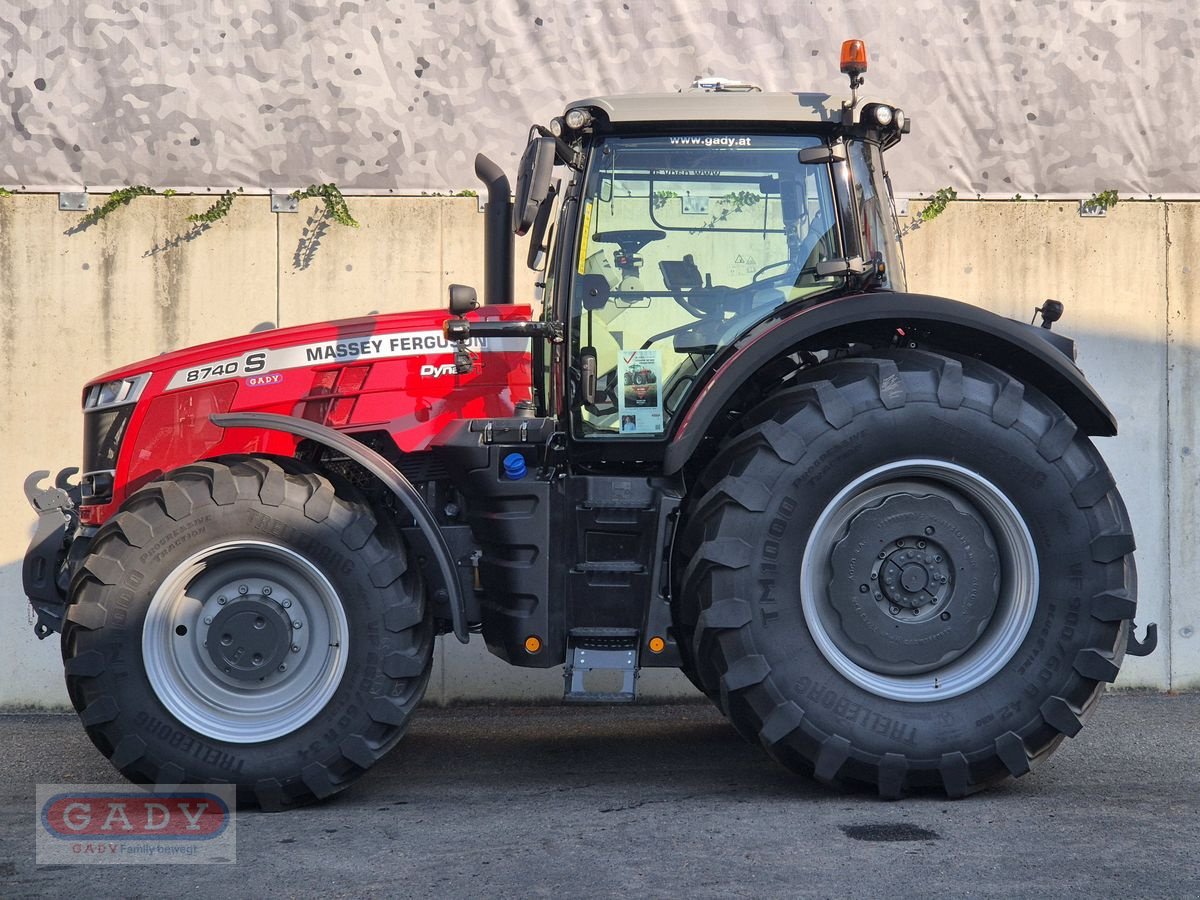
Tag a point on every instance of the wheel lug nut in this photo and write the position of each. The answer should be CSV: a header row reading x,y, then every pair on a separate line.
x,y
297,625
287,604
921,544
222,601
878,596
242,589
863,588
295,648
208,620
283,667
874,576
266,591
883,554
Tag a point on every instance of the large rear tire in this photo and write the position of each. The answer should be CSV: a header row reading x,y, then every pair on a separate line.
x,y
239,622
908,572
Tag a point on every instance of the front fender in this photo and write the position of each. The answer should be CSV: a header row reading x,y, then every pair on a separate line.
x,y
1024,351
395,481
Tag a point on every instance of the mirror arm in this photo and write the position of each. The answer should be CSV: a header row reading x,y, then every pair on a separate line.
x,y
462,330
568,154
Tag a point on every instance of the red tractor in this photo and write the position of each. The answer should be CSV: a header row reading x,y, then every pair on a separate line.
x,y
870,525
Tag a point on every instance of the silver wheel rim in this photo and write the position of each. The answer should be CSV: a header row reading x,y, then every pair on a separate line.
x,y
1019,581
198,690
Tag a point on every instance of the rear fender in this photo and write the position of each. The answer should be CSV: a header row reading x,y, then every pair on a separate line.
x,y
1034,355
390,476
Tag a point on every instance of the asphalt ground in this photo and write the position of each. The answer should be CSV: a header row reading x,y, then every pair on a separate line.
x,y
662,801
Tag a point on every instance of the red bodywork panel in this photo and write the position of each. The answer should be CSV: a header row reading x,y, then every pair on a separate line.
x,y
391,373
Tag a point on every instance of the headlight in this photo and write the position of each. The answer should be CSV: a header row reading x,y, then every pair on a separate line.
x,y
900,120
578,118
114,393
883,115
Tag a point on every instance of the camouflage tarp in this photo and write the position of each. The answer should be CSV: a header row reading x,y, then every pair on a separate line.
x,y
1034,96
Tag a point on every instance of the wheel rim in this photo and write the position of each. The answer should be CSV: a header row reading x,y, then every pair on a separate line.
x,y
997,616
245,641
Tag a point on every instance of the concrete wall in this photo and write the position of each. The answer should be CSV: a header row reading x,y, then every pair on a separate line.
x,y
143,281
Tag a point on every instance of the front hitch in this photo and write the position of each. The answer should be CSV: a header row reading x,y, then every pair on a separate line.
x,y
40,572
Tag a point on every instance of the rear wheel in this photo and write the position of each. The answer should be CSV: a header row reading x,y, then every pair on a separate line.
x,y
910,572
237,622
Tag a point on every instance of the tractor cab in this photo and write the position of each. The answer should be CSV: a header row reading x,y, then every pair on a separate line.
x,y
667,226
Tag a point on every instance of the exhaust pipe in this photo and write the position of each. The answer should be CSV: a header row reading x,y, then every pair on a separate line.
x,y
497,233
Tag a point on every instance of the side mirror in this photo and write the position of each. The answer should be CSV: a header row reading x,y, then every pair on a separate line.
x,y
538,245
462,300
533,182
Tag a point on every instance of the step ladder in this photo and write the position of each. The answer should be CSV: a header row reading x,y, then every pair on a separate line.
x,y
601,650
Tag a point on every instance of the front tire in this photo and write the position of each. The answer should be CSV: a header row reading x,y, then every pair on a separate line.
x,y
908,572
239,622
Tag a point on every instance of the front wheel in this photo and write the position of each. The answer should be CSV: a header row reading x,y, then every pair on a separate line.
x,y
910,572
239,622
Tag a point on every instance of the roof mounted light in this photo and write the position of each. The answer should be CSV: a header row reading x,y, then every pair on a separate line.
x,y
884,115
854,61
556,126
578,118
854,64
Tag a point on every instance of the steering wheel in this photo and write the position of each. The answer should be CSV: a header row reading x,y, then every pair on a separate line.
x,y
630,240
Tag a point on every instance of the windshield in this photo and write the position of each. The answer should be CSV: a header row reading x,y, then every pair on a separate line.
x,y
684,243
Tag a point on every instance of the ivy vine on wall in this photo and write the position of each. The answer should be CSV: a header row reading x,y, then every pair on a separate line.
x,y
335,203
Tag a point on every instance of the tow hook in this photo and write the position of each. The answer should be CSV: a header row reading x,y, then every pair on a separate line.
x,y
61,496
1143,647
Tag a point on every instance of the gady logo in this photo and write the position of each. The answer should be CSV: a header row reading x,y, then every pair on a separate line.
x,y
193,823
263,380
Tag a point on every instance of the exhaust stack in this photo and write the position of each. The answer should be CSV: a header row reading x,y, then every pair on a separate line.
x,y
497,233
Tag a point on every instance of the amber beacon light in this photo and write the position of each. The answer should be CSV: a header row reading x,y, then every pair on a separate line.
x,y
854,58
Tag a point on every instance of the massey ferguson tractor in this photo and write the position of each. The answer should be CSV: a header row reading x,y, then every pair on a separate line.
x,y
870,525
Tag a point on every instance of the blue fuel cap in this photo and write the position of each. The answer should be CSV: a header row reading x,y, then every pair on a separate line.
x,y
514,467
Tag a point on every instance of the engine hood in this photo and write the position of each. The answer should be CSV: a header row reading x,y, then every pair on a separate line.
x,y
335,334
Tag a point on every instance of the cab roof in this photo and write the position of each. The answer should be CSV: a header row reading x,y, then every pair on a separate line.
x,y
723,106
719,106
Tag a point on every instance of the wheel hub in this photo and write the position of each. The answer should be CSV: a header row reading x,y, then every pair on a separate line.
x,y
914,583
250,638
915,574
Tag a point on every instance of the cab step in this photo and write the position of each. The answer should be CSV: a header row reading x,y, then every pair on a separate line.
x,y
601,650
